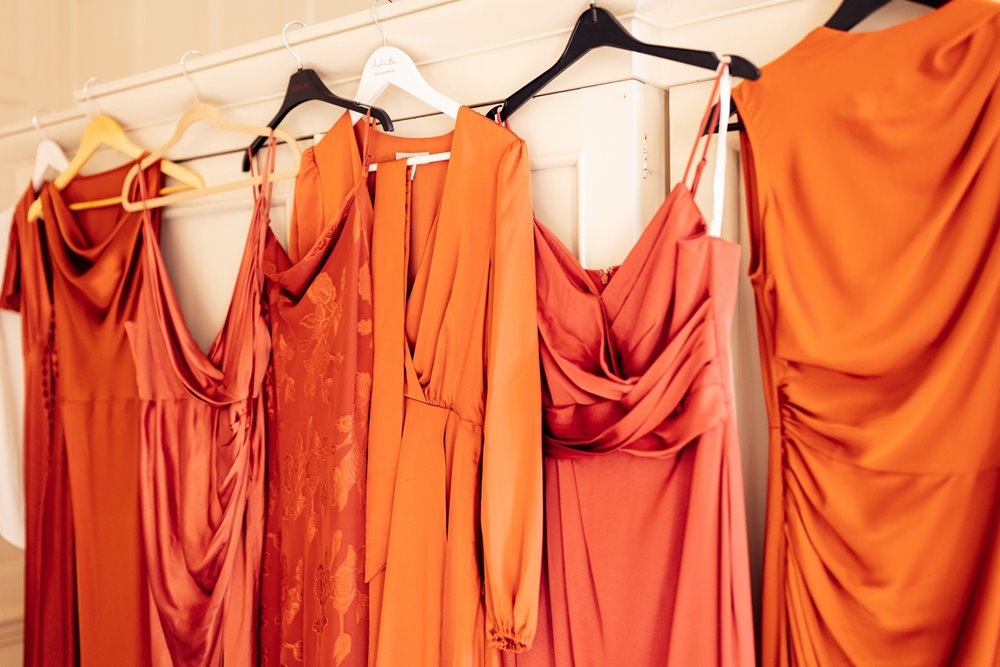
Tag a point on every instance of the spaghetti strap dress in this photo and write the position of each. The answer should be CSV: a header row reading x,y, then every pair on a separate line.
x,y
75,276
314,601
646,550
201,472
872,166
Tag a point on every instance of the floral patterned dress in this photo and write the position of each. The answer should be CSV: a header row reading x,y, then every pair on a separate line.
x,y
314,607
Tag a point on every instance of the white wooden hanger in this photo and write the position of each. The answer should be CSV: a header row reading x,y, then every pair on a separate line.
x,y
200,111
49,156
390,65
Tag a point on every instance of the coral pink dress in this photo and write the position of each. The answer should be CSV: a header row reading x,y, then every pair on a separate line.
x,y
646,551
202,461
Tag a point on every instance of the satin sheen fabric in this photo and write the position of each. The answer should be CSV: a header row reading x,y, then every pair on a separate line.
x,y
75,276
454,515
873,176
202,420
646,558
314,601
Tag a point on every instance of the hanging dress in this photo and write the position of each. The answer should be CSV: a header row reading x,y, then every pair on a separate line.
x,y
202,460
646,551
314,600
75,277
11,408
454,513
874,213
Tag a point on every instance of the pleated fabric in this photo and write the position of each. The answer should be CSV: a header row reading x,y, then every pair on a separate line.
x,y
646,551
201,473
873,175
75,277
314,602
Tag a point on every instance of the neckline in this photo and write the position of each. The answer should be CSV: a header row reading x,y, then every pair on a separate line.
x,y
358,135
61,208
892,30
641,248
169,304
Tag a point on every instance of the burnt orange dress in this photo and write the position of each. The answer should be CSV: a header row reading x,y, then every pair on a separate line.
x,y
314,601
76,276
646,558
873,176
202,461
454,517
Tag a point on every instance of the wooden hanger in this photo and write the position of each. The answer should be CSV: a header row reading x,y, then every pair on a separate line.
x,y
389,65
201,112
596,27
204,112
105,131
305,86
852,12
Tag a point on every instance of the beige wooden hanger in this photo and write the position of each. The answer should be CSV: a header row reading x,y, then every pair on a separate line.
x,y
199,111
104,130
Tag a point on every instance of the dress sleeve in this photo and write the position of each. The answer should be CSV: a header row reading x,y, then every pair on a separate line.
x,y
10,289
512,449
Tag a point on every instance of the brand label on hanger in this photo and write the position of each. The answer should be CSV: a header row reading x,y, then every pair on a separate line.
x,y
384,65
401,156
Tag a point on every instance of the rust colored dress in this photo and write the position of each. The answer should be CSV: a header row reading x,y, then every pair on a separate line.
x,y
454,516
202,462
646,559
75,277
873,176
314,601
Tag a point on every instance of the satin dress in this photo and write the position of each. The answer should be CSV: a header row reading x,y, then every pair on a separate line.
x,y
76,277
314,600
874,214
201,472
454,514
646,559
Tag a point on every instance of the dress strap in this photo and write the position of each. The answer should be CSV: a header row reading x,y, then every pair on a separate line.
x,y
714,114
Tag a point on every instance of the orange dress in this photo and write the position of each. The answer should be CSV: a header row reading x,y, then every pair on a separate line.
x,y
646,558
314,600
873,176
77,276
202,462
454,517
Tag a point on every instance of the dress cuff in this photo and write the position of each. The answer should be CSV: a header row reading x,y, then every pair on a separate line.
x,y
510,641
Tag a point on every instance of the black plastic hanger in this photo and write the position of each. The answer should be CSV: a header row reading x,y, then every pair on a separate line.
x,y
306,86
596,27
852,12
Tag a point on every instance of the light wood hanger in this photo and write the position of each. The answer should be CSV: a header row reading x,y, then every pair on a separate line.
x,y
200,111
204,112
104,130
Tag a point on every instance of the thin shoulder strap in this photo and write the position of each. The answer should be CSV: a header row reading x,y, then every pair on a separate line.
x,y
714,114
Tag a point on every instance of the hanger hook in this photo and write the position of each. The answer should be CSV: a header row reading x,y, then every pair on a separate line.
x,y
38,126
284,40
385,42
187,74
86,92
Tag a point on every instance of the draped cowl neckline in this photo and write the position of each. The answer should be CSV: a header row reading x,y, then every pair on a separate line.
x,y
620,376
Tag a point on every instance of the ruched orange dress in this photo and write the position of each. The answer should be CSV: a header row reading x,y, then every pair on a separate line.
x,y
76,278
314,601
201,467
454,516
646,558
873,176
